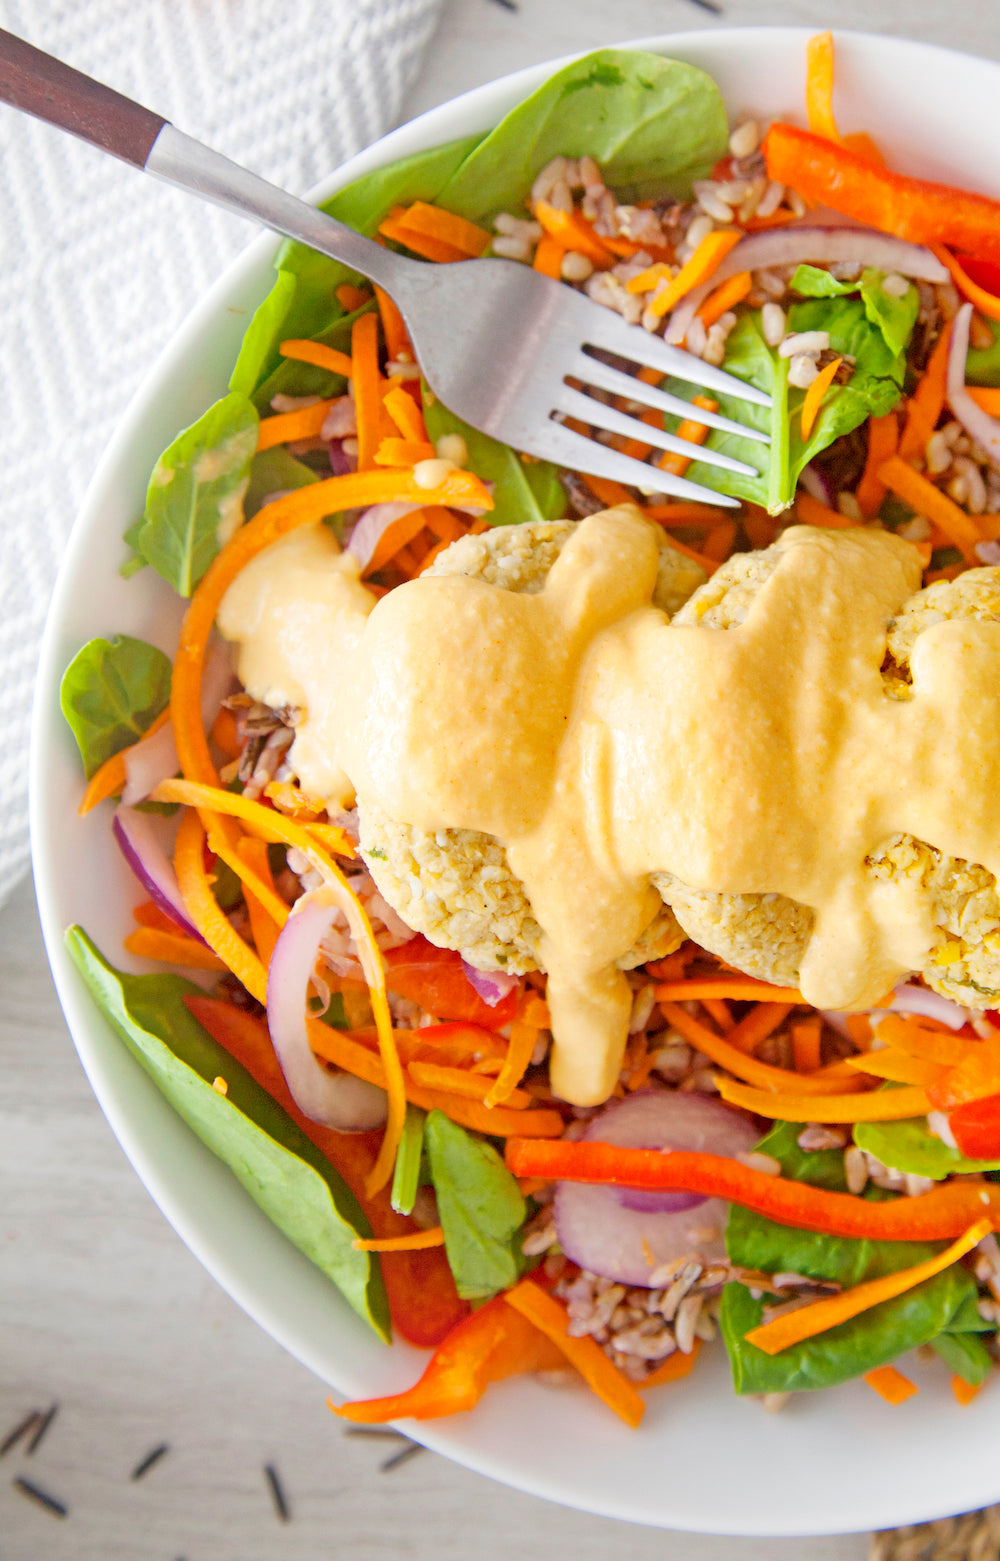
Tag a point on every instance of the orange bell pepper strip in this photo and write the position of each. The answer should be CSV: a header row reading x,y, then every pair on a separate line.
x,y
435,978
975,1127
423,1301
913,209
495,1342
944,1212
986,302
976,1077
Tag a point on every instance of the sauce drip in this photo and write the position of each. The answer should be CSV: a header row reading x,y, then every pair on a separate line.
x,y
601,744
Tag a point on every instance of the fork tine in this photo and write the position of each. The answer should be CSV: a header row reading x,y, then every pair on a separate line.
x,y
609,331
575,404
593,372
567,448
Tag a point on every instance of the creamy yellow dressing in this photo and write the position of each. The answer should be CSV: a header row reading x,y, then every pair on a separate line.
x,y
602,744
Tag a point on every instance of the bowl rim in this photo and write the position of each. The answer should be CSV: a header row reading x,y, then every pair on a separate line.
x,y
476,108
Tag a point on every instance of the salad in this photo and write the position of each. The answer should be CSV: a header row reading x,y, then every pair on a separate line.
x,y
826,1204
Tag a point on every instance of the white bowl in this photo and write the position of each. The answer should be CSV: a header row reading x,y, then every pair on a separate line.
x,y
704,1460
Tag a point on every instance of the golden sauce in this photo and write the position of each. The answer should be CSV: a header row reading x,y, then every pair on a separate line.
x,y
601,744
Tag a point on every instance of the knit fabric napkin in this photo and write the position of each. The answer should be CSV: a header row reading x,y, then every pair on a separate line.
x,y
98,265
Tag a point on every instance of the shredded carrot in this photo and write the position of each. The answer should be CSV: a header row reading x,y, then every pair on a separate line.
x,y
304,506
813,512
927,402
964,1391
726,296
414,1241
264,926
883,437
609,492
225,735
294,802
897,1068
758,1024
227,803
987,397
706,260
718,544
316,352
819,86
396,536
890,1384
215,928
461,1081
109,780
596,1368
457,232
405,413
766,1078
350,297
332,838
303,423
807,1321
805,1045
172,948
718,1009
572,230
987,303
741,988
640,1075
549,255
403,452
674,1369
397,337
891,1105
684,514
927,499
366,381
904,1032
523,1039
814,395
691,430
425,244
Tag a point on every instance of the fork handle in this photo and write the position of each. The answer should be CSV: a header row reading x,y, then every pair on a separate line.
x,y
40,85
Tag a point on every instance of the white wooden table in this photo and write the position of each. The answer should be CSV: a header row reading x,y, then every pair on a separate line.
x,y
106,1314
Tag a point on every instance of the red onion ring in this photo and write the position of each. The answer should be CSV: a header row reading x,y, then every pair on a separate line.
x,y
371,526
985,430
909,999
138,839
492,985
154,758
792,245
337,1100
626,1234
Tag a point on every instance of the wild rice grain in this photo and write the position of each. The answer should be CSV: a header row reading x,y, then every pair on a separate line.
x,y
745,139
773,322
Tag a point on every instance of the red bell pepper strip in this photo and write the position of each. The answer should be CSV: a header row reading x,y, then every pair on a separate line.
x,y
975,1126
945,1212
493,1343
912,209
436,980
423,1301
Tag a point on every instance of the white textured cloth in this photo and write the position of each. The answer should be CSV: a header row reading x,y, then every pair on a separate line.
x,y
98,265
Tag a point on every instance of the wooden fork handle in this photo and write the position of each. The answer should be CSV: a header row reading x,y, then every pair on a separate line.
x,y
40,85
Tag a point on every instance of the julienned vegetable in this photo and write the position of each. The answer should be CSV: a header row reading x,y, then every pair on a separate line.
x,y
357,1033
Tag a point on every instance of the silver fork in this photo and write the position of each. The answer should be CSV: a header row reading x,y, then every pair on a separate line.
x,y
496,341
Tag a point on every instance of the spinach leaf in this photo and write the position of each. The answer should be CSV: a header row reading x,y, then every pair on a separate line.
x,y
480,1205
895,317
874,388
982,366
910,1146
303,300
271,1157
197,485
292,378
274,471
814,282
653,125
966,1355
111,693
947,1301
524,490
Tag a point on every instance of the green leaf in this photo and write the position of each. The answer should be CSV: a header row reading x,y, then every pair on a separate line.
x,y
814,282
194,488
652,124
111,693
274,471
966,1355
270,1156
982,366
894,317
289,377
910,1146
480,1205
523,491
874,388
263,335
872,1339
406,1175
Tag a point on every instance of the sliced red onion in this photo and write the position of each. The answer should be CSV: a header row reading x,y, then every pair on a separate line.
x,y
341,420
371,526
627,1234
341,464
909,999
138,837
814,482
337,1100
985,430
492,985
795,245
154,758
